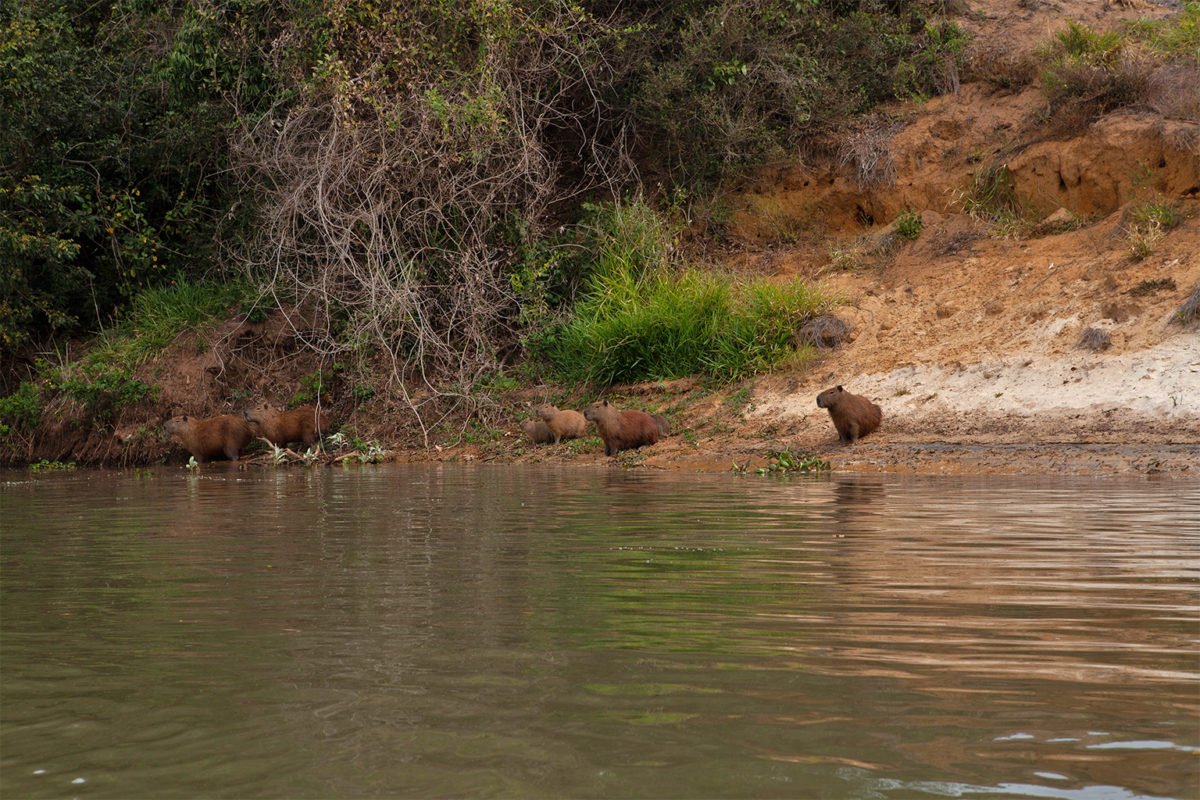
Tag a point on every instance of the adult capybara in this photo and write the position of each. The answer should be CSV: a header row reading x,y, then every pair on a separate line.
x,y
305,424
212,438
537,431
621,430
853,415
566,424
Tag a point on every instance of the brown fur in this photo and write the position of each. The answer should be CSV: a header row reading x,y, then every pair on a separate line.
x,y
853,415
664,427
212,438
621,430
562,424
305,424
537,431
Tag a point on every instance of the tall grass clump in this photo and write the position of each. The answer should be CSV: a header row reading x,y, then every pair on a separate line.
x,y
991,198
158,315
105,379
1145,63
640,319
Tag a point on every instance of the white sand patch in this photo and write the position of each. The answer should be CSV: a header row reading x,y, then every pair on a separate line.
x,y
1160,381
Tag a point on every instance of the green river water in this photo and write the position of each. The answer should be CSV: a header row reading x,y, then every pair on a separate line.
x,y
457,631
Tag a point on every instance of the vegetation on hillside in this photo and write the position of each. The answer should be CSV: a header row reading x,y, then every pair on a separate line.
x,y
428,189
395,166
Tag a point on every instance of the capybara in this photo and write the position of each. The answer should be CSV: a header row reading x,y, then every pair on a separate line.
x,y
564,424
305,424
621,430
212,438
853,415
537,431
664,427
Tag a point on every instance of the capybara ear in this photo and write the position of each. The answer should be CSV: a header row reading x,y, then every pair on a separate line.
x,y
185,417
840,389
606,404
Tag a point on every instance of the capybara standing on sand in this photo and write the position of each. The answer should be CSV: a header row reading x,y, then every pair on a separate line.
x,y
621,430
212,438
565,424
305,424
537,431
853,415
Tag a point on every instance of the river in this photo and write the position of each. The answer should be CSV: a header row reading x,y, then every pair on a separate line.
x,y
434,631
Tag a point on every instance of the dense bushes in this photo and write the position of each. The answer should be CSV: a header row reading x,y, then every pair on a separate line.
x,y
737,82
403,172
113,138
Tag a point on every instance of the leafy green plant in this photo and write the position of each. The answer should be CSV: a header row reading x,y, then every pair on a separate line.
x,y
727,85
109,170
51,466
20,410
311,387
909,224
932,67
104,388
786,462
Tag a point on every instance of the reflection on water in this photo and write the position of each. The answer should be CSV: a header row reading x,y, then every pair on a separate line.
x,y
434,631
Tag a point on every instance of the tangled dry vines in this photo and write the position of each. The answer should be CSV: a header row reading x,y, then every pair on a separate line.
x,y
392,224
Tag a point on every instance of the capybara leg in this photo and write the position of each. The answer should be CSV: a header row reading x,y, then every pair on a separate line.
x,y
852,433
231,453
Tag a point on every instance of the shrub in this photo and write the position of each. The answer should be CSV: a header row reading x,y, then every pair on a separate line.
x,y
1155,63
1189,312
992,198
638,320
1147,223
110,168
1095,339
729,83
909,224
1001,65
21,410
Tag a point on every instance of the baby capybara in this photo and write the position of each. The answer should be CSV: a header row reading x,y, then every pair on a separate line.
x,y
565,424
853,415
621,430
212,438
537,431
305,424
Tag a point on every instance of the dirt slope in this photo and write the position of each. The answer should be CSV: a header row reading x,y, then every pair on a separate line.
x,y
966,337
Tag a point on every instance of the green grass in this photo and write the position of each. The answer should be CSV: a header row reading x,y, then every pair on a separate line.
x,y
1178,36
992,199
1146,224
103,380
670,326
1095,72
157,316
641,318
